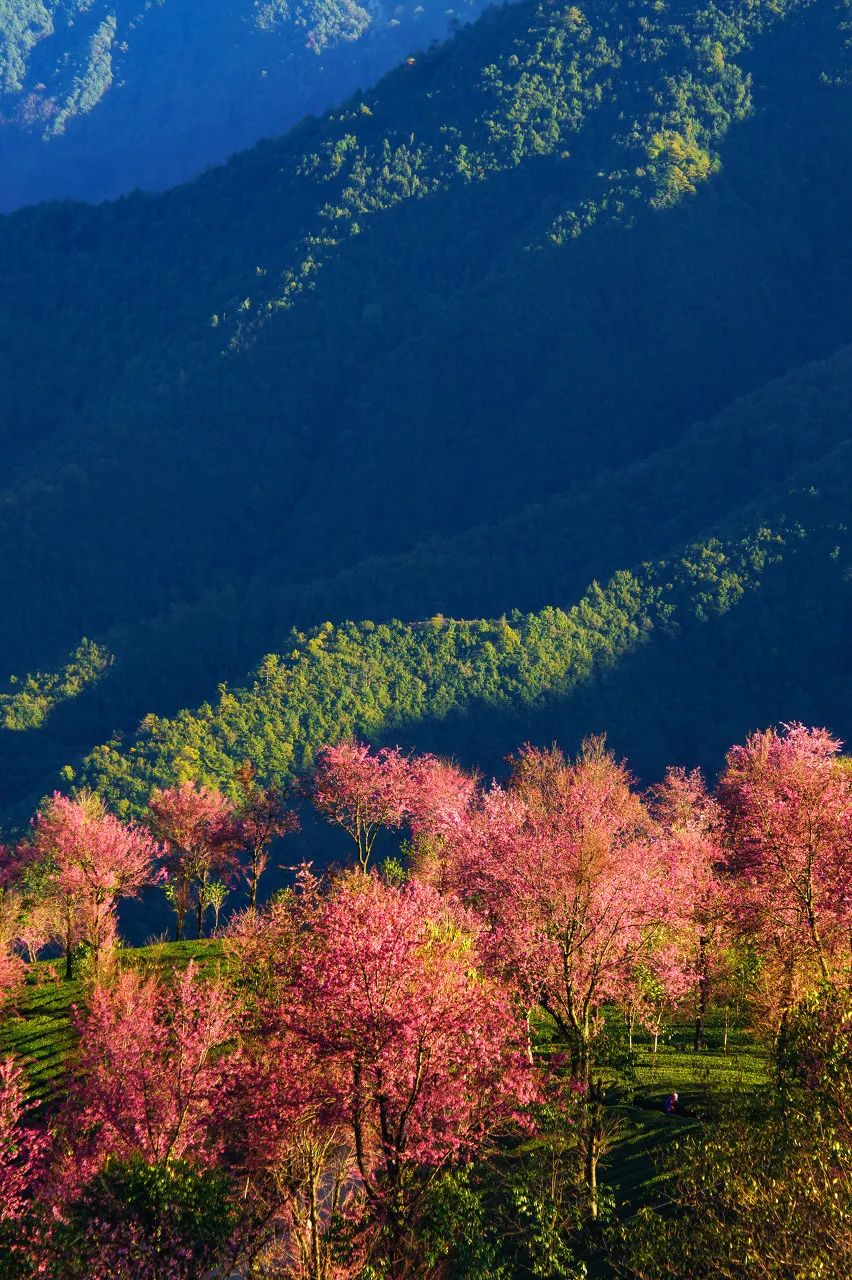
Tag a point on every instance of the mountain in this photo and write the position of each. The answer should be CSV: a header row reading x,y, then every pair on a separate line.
x,y
98,97
566,298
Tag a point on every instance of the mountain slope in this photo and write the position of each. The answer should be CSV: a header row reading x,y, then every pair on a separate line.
x,y
743,468
98,97
439,370
638,658
441,350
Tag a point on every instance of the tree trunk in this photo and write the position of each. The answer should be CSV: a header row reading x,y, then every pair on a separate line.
x,y
592,1177
592,1151
316,1251
703,985
96,939
784,1024
68,962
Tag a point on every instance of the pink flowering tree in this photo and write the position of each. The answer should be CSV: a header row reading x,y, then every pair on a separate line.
x,y
200,830
24,1151
37,926
27,915
362,791
565,870
787,798
298,1171
94,860
14,863
440,796
11,963
138,1191
150,1069
262,817
12,973
571,885
662,981
691,826
413,1057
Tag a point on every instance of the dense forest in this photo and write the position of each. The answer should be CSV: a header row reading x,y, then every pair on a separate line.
x,y
562,301
565,1027
99,97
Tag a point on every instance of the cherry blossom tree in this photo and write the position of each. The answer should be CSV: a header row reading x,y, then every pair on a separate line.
x,y
200,830
27,918
662,980
37,926
440,796
24,1152
11,963
414,1055
299,1170
11,976
362,791
571,883
691,824
151,1069
787,798
14,861
262,817
94,860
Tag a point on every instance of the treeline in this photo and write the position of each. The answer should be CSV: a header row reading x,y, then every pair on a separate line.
x,y
33,697
476,686
418,1067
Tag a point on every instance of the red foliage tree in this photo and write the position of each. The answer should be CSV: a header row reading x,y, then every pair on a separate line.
x,y
199,828
407,1051
95,860
262,816
150,1070
788,802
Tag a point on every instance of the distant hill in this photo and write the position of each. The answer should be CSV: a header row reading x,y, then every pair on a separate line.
x,y
98,97
563,299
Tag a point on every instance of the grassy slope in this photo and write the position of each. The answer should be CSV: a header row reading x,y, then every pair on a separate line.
x,y
39,1029
40,1033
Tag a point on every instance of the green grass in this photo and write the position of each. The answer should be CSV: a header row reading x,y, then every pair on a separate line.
x,y
703,1081
39,1030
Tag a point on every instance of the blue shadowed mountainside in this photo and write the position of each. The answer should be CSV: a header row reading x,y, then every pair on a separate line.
x,y
549,329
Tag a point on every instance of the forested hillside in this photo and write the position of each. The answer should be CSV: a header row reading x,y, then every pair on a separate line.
x,y
98,97
565,299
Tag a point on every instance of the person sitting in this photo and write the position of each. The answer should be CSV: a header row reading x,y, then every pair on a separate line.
x,y
670,1104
